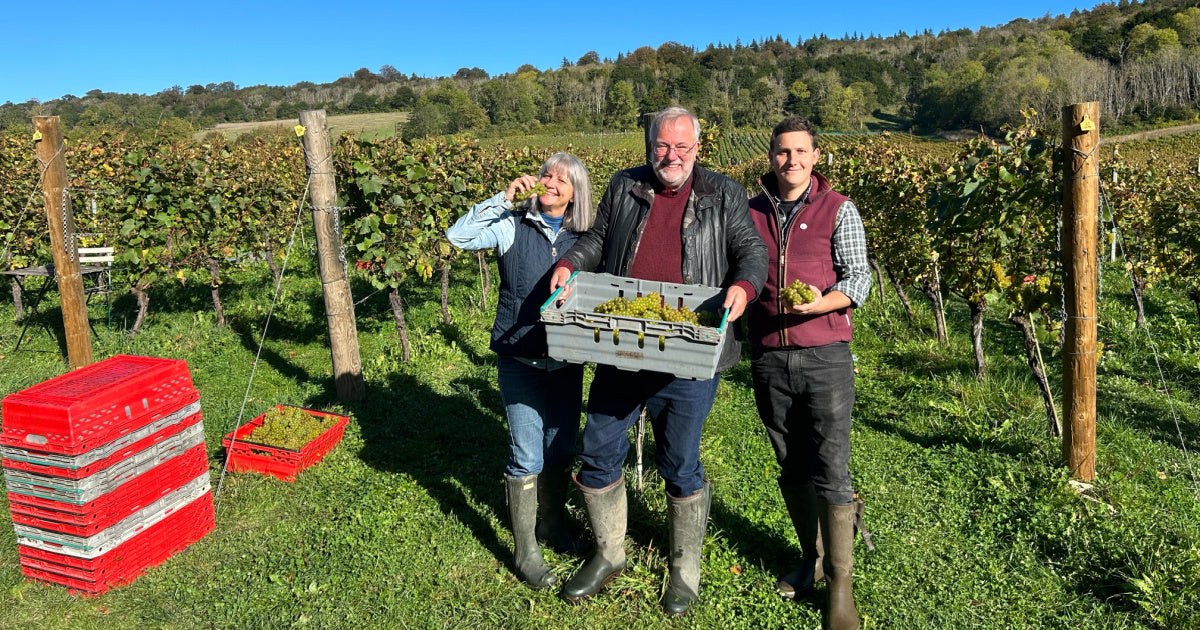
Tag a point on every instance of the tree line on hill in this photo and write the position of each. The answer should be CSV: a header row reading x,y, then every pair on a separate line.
x,y
1140,60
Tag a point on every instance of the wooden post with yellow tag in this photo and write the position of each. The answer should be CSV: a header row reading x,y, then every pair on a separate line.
x,y
339,304
53,162
1080,251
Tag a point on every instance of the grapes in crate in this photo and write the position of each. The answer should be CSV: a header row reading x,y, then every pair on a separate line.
x,y
797,293
290,428
651,306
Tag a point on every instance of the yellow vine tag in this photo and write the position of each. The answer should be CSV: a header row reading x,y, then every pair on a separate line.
x,y
1087,124
37,135
299,130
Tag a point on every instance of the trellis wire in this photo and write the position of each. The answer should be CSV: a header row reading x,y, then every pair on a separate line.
x,y
263,338
29,203
1162,379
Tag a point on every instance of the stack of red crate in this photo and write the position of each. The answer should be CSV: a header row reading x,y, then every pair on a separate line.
x,y
106,471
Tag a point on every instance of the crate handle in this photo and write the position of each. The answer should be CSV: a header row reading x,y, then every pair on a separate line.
x,y
554,295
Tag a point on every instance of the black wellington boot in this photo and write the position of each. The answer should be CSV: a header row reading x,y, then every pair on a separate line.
x,y
552,528
801,501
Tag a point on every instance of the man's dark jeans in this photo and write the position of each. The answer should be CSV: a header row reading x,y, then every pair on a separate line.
x,y
805,397
677,408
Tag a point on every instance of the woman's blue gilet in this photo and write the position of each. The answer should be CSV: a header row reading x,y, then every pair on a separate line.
x,y
525,270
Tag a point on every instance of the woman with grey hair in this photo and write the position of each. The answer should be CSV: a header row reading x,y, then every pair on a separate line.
x,y
542,397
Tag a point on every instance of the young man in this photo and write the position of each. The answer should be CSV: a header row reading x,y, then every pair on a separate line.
x,y
800,361
670,221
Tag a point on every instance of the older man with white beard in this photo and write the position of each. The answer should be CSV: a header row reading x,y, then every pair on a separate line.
x,y
669,221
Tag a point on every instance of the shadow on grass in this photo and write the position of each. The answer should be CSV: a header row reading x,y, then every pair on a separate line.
x,y
454,445
759,545
39,331
1149,415
453,333
45,332
1106,567
889,122
449,444
730,531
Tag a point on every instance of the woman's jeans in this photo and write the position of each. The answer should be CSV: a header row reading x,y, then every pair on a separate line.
x,y
543,408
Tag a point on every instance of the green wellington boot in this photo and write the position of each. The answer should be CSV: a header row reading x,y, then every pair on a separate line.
x,y
687,519
522,511
607,510
837,527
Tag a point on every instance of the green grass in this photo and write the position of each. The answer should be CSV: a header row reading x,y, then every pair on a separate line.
x,y
403,526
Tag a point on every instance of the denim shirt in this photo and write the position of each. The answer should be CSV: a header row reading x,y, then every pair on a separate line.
x,y
491,224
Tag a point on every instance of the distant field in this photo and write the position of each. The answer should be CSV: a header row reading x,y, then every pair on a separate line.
x,y
366,125
561,140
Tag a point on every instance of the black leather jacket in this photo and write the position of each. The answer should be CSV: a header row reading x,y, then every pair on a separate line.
x,y
721,246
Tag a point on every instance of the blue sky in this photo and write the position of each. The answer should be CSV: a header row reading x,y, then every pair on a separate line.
x,y
71,47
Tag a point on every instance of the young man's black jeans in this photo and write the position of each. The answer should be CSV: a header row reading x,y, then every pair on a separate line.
x,y
805,397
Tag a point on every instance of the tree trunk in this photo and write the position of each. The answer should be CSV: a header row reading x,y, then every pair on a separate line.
x,y
143,301
485,275
446,294
18,304
1194,296
977,311
1138,290
401,327
269,257
275,272
912,317
214,272
934,293
878,278
1033,354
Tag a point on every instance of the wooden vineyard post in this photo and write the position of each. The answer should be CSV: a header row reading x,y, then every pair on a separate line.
x,y
1080,250
49,140
339,304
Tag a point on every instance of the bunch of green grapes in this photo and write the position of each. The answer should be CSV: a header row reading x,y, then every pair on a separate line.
x,y
797,293
290,428
708,318
537,190
649,306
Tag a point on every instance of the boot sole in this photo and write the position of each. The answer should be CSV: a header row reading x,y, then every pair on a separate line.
x,y
579,599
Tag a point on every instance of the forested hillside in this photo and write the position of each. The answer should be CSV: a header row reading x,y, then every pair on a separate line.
x,y
1141,60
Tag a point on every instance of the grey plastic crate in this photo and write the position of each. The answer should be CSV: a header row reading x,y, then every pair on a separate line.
x,y
75,462
576,334
108,539
88,489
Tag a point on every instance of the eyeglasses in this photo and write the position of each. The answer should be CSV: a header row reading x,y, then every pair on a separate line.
x,y
662,150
